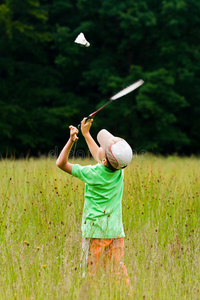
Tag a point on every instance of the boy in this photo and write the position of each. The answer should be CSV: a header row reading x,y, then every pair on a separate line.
x,y
102,228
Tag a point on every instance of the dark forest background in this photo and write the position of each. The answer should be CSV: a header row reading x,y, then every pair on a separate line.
x,y
47,82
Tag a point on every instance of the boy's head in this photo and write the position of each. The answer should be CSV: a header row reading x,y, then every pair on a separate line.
x,y
117,151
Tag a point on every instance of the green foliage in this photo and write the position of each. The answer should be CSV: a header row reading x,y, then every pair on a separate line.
x,y
158,105
48,82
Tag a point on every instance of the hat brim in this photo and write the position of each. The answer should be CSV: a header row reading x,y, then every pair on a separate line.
x,y
103,137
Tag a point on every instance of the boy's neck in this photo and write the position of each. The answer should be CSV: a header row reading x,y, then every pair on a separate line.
x,y
108,166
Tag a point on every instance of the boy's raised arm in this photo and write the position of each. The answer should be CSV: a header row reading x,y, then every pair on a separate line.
x,y
62,161
85,129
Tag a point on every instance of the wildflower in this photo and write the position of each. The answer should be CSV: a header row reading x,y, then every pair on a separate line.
x,y
25,242
44,266
38,248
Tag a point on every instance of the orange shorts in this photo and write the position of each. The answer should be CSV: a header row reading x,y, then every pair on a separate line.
x,y
106,253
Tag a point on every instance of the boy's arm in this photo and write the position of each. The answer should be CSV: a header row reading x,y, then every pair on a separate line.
x,y
62,161
85,129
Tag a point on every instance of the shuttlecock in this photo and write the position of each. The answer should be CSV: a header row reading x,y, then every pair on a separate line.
x,y
82,40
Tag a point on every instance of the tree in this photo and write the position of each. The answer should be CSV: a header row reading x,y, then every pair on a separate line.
x,y
27,81
51,82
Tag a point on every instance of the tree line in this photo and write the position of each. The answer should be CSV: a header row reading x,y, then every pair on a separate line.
x,y
48,82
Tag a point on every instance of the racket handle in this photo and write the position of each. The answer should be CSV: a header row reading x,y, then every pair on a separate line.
x,y
88,118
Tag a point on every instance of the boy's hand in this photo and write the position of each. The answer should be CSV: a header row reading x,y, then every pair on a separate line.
x,y
73,133
85,126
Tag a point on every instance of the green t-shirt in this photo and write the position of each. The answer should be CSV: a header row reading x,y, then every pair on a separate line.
x,y
102,212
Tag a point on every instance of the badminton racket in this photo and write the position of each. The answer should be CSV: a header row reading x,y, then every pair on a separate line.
x,y
120,94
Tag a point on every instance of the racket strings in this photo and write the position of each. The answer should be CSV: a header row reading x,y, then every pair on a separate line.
x,y
127,90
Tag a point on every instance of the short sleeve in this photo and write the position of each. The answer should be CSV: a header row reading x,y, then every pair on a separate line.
x,y
84,173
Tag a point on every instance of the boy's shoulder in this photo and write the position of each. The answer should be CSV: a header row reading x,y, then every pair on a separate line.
x,y
94,171
96,167
101,168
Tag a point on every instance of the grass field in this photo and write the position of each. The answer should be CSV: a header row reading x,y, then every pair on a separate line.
x,y
40,231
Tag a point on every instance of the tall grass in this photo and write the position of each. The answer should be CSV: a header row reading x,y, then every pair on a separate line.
x,y
40,231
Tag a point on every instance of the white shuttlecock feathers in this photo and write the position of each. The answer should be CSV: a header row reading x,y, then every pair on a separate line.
x,y
82,40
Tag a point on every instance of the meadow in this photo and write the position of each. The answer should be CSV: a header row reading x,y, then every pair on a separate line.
x,y
40,231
